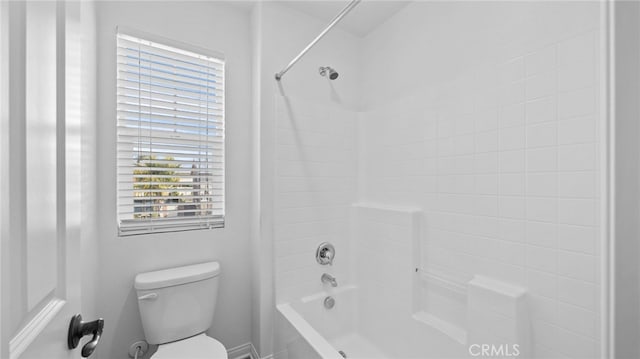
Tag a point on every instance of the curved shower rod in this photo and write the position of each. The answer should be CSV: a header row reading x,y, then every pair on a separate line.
x,y
333,22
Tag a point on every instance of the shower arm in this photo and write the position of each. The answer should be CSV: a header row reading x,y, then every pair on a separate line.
x,y
333,22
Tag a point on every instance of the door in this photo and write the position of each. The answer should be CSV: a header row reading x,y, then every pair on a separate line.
x,y
40,185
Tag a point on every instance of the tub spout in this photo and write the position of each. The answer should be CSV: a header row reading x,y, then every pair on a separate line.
x,y
327,278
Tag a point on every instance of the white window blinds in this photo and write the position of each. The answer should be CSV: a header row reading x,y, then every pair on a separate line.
x,y
170,162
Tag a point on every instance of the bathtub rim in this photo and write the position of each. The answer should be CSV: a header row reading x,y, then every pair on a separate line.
x,y
318,342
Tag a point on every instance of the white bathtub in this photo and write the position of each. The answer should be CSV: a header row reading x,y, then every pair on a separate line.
x,y
361,325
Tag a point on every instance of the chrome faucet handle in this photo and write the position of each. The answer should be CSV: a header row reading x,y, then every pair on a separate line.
x,y
328,278
325,253
328,255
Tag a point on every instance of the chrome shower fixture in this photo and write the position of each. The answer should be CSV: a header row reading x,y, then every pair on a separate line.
x,y
333,23
329,302
333,74
329,279
325,253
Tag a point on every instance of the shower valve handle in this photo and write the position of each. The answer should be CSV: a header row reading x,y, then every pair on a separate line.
x,y
325,253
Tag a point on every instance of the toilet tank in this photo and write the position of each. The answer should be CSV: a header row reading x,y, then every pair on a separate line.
x,y
177,303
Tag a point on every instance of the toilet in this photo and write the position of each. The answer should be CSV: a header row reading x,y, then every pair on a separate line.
x,y
176,308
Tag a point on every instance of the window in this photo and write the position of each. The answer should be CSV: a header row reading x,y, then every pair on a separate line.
x,y
170,150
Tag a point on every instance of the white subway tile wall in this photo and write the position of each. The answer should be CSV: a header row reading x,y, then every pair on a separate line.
x,y
315,188
504,162
388,286
383,238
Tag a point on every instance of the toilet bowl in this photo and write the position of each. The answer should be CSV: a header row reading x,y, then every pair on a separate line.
x,y
177,307
199,347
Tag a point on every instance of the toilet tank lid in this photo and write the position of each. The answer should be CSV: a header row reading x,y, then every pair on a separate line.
x,y
176,276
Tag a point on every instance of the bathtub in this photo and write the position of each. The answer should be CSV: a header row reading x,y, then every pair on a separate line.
x,y
360,325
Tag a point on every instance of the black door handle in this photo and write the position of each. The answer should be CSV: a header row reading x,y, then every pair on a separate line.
x,y
78,329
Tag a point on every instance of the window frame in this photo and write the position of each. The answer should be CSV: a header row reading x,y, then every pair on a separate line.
x,y
177,224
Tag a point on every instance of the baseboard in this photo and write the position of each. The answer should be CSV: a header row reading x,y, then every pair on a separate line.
x,y
245,351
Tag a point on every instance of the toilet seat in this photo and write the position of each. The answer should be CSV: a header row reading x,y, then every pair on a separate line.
x,y
198,347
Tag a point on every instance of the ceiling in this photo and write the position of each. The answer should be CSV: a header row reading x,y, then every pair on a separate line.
x,y
363,19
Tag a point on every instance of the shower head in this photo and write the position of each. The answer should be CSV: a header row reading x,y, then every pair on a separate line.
x,y
324,71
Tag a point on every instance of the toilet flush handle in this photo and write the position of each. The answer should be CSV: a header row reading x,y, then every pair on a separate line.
x,y
148,296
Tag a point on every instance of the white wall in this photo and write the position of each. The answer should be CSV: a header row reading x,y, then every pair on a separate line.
x,y
280,33
430,42
315,187
218,27
485,115
263,304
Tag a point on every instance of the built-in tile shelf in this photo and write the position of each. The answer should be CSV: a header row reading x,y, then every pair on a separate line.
x,y
456,333
430,281
431,278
